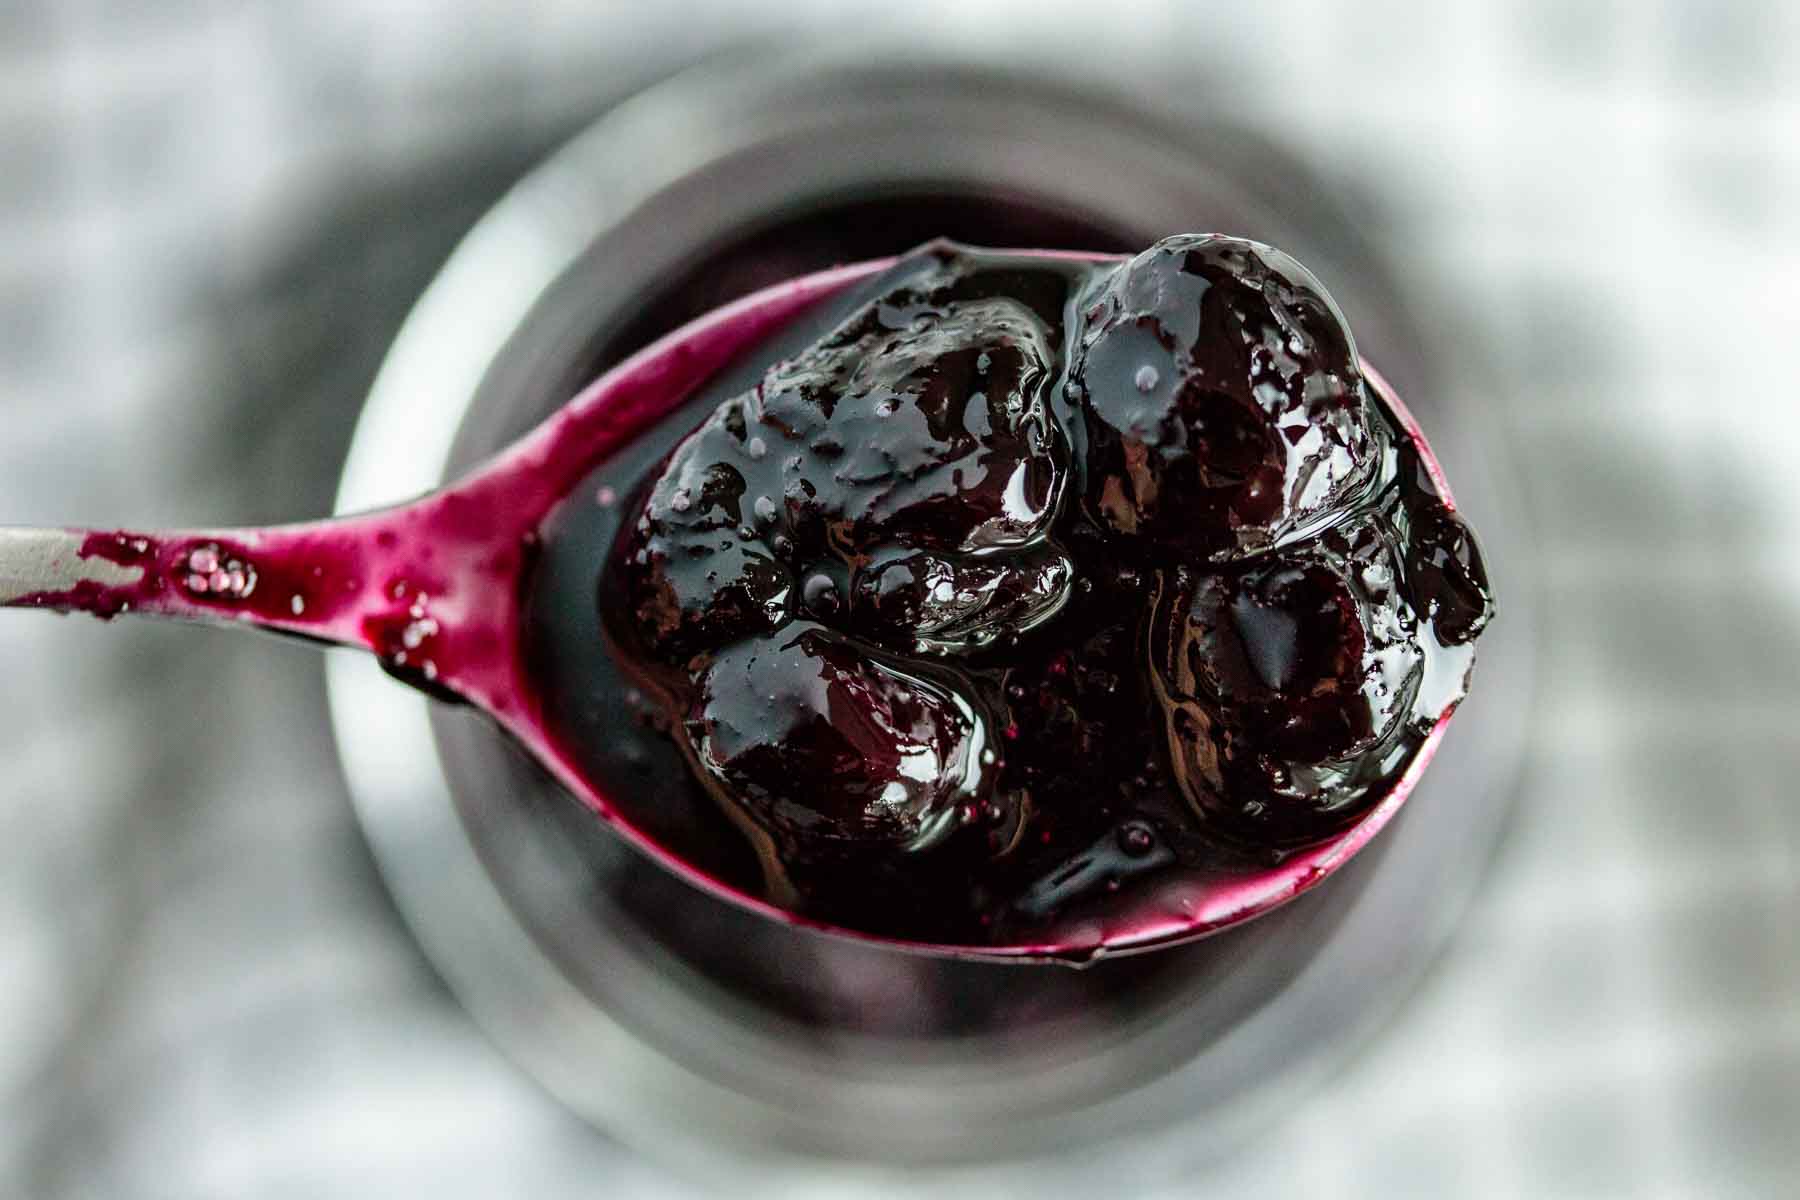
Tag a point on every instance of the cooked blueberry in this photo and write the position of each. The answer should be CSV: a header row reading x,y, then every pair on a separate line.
x,y
925,424
815,738
1284,679
695,576
1033,578
936,602
1223,398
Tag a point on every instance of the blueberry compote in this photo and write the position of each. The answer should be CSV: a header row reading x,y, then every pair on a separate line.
x,y
1005,583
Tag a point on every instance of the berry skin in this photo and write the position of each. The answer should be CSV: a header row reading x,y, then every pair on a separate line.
x,y
1224,403
919,428
694,580
1283,680
924,424
817,739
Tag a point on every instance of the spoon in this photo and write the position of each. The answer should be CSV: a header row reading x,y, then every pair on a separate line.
x,y
432,588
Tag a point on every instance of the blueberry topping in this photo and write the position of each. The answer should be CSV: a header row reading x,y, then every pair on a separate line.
x,y
901,753
1032,579
1225,406
1283,678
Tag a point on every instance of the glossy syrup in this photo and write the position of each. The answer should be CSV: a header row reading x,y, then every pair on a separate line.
x,y
996,626
881,640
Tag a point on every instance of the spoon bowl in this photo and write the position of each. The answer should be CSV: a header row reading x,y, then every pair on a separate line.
x,y
434,588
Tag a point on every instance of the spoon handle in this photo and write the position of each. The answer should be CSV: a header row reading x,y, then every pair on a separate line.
x,y
412,584
298,579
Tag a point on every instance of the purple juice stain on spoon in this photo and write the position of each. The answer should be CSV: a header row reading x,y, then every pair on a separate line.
x,y
1007,604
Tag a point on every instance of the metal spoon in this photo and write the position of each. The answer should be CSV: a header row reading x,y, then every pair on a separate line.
x,y
431,587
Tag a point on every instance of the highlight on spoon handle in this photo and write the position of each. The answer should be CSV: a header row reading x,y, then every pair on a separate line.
x,y
38,566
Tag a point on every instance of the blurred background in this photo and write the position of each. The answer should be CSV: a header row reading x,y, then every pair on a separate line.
x,y
214,217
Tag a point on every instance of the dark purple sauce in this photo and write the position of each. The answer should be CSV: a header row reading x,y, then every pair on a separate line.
x,y
979,609
1008,586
